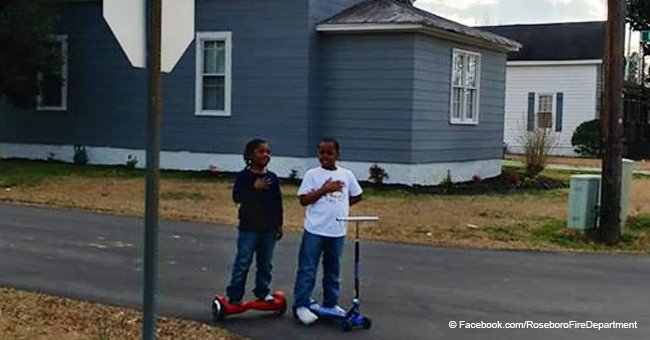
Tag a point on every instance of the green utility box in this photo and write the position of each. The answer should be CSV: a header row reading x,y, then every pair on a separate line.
x,y
584,198
583,202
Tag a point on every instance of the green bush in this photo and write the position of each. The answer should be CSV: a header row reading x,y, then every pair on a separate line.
x,y
80,155
131,162
587,139
377,174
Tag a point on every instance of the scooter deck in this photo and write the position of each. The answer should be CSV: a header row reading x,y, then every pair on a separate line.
x,y
221,307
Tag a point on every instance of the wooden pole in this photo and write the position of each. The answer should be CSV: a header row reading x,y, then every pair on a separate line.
x,y
612,120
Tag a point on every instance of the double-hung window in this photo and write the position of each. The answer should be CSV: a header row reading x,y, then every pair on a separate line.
x,y
213,73
545,111
53,86
465,87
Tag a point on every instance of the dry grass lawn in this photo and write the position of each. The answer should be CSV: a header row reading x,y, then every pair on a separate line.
x,y
35,316
580,162
521,220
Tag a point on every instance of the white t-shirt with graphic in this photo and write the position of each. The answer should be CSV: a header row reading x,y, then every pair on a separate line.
x,y
320,217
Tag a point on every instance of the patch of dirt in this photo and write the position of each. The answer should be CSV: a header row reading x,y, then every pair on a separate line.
x,y
508,182
580,162
36,316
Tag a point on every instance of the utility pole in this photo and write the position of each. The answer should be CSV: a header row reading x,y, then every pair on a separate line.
x,y
154,101
628,54
612,121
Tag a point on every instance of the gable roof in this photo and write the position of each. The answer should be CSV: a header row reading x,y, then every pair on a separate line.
x,y
400,15
558,41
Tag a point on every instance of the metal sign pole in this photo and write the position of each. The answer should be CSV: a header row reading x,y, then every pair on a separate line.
x,y
154,19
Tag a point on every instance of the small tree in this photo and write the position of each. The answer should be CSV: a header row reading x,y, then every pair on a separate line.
x,y
537,146
638,14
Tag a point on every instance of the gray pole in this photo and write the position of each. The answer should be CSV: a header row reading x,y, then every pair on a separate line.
x,y
154,10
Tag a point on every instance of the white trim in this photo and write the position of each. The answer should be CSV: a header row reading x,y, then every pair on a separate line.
x,y
462,121
342,28
554,62
219,36
418,28
63,40
409,174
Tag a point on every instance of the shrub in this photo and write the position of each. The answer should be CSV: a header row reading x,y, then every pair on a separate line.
x,y
447,184
512,178
377,174
537,146
131,162
587,139
80,155
293,176
51,157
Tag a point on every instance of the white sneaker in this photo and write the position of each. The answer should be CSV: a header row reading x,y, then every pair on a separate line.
x,y
336,311
268,298
305,316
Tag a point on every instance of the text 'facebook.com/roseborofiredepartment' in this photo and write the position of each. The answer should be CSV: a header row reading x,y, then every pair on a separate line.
x,y
588,325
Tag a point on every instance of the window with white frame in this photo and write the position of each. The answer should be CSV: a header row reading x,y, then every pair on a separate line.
x,y
53,86
545,111
213,73
465,87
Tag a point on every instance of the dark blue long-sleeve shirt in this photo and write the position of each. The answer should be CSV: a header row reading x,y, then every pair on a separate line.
x,y
259,210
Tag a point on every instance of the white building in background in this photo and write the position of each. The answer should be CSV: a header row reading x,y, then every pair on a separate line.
x,y
554,81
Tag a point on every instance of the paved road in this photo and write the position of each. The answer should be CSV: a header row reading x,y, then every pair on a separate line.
x,y
412,292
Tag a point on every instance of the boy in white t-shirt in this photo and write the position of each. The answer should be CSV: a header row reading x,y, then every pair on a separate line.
x,y
328,192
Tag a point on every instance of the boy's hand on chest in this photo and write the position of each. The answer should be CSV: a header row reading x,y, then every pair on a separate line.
x,y
331,186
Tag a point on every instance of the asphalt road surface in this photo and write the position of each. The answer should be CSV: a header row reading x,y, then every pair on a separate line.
x,y
410,291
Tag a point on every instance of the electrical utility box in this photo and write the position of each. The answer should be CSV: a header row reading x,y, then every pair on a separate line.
x,y
584,198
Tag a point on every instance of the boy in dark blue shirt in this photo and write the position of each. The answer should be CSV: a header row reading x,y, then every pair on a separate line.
x,y
257,191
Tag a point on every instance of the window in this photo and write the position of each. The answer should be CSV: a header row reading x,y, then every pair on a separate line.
x,y
54,85
545,111
465,87
213,73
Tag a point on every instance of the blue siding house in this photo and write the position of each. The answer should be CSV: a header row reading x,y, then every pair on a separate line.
x,y
419,95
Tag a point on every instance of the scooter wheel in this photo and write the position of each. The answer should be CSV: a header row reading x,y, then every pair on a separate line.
x,y
218,310
367,323
346,326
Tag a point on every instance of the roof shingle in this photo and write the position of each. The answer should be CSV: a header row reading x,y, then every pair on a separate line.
x,y
552,42
401,12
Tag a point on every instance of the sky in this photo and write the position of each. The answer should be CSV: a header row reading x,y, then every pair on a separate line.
x,y
504,12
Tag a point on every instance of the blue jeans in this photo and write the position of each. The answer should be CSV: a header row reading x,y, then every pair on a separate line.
x,y
249,244
311,248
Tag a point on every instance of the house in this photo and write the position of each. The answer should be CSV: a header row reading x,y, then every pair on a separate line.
x,y
554,81
419,95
